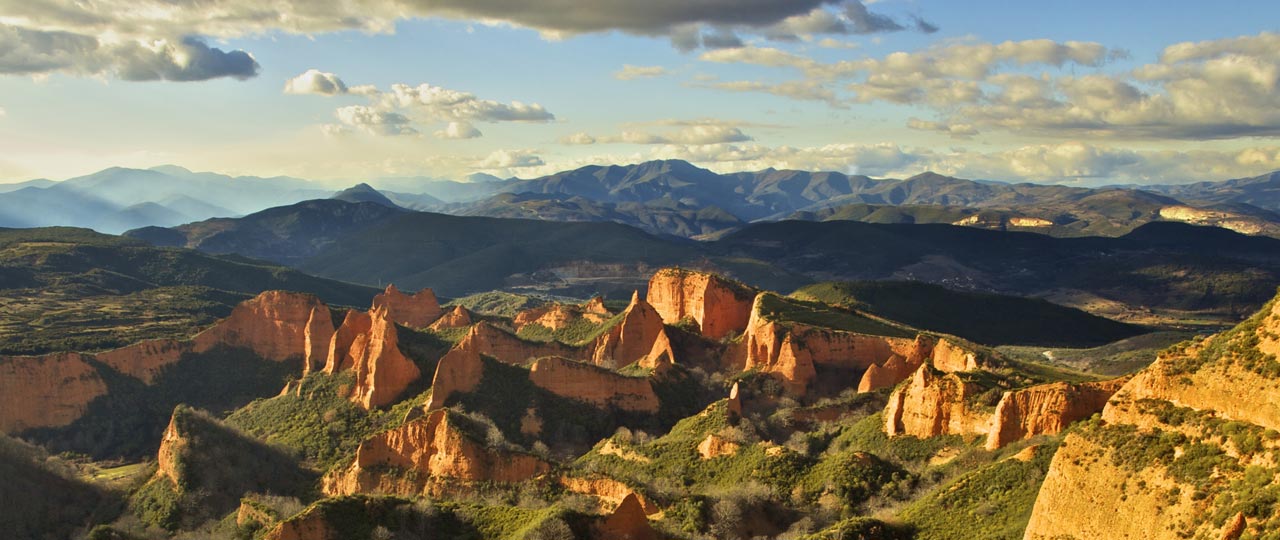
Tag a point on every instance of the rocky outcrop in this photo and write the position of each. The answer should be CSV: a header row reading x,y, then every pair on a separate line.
x,y
556,316
639,337
610,492
416,311
1046,409
437,449
458,317
458,372
1176,430
933,403
503,346
720,307
628,522
792,352
594,385
714,446
53,390
46,391
355,324
316,339
382,371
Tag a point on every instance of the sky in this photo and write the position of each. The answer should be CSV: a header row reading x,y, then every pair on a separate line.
x,y
1085,92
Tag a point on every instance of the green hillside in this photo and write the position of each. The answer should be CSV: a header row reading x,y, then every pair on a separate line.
x,y
990,319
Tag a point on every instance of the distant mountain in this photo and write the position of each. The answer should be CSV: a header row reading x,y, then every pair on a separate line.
x,y
449,191
664,216
363,193
118,199
1165,267
1261,191
37,183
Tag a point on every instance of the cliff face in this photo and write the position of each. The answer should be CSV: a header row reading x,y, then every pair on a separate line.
x,y
1189,432
1046,409
436,448
46,391
793,351
458,317
640,337
932,404
53,390
628,522
458,372
719,306
416,311
382,371
600,387
611,493
354,325
316,339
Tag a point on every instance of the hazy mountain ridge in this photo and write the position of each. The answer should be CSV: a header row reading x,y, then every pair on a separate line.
x,y
670,197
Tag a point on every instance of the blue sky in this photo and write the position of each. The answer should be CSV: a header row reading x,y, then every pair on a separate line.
x,y
1081,92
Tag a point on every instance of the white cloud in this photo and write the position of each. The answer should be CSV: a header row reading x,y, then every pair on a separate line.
x,y
439,103
511,159
580,138
26,51
459,130
373,121
959,131
630,72
314,81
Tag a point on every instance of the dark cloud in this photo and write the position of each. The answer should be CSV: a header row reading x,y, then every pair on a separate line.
x,y
866,22
24,51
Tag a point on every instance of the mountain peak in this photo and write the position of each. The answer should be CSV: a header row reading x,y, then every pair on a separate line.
x,y
363,192
174,170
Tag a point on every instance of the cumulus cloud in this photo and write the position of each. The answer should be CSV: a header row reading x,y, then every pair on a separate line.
x,y
444,104
372,121
630,72
314,81
25,51
511,159
805,90
120,37
580,138
459,130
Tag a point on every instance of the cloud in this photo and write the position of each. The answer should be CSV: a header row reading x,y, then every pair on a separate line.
x,y
630,72
444,104
25,51
580,138
511,159
372,121
805,90
120,37
459,130
314,81
959,131
1208,90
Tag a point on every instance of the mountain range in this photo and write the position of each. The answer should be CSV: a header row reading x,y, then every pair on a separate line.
x,y
669,197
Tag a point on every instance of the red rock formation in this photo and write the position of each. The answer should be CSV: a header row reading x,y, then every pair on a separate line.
x,y
53,390
46,391
459,317
415,311
273,325
310,525
437,449
933,404
1047,409
770,348
458,372
382,371
735,401
172,444
719,306
316,339
714,446
1235,527
600,387
499,344
894,370
628,522
354,325
640,337
609,491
